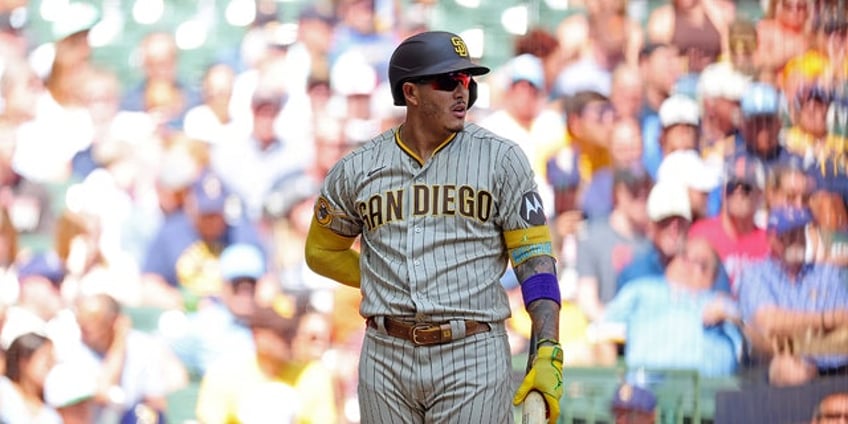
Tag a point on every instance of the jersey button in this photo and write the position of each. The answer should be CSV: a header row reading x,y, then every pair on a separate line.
x,y
417,262
417,229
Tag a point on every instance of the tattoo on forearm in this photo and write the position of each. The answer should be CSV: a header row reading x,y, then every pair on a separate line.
x,y
545,316
535,265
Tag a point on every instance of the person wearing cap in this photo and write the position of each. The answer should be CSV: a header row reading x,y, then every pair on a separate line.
x,y
212,120
761,125
783,295
72,52
670,215
272,382
71,390
686,167
633,405
679,319
592,71
733,233
181,263
679,119
610,243
221,328
719,91
40,306
809,135
444,251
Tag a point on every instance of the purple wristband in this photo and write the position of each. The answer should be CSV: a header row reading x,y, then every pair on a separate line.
x,y
541,286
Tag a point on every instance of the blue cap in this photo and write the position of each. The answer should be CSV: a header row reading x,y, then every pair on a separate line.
x,y
44,264
562,170
784,219
141,413
634,398
760,99
241,261
527,67
210,194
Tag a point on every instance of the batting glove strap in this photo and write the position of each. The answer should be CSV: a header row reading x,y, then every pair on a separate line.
x,y
545,376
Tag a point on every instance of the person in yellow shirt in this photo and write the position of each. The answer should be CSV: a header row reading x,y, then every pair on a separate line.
x,y
272,382
589,118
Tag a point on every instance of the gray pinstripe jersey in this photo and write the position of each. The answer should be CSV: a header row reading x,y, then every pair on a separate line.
x,y
432,247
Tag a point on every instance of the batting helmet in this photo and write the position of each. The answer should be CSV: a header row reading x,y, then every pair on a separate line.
x,y
431,53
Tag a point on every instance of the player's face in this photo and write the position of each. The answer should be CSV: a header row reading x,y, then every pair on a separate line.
x,y
444,99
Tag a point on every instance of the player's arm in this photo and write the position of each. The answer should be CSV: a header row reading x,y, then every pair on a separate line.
x,y
535,268
332,255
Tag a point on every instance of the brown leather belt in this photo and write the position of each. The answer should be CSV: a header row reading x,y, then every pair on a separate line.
x,y
427,333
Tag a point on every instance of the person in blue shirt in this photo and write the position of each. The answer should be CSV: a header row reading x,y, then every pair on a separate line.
x,y
182,260
783,296
222,327
679,320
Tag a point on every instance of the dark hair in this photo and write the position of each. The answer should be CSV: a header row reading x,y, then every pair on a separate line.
x,y
21,349
575,104
538,42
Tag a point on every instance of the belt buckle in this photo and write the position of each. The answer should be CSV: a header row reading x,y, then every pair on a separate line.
x,y
413,333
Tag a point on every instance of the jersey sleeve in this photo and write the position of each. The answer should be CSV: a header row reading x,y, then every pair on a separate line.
x,y
521,213
335,207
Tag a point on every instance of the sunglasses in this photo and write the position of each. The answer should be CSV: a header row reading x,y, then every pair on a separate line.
x,y
447,82
732,186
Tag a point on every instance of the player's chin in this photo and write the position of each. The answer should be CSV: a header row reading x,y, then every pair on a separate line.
x,y
456,122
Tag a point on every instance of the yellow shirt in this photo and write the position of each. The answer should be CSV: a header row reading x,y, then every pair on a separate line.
x,y
831,154
236,391
591,157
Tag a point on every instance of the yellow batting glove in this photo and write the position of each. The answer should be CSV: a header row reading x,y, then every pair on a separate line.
x,y
545,376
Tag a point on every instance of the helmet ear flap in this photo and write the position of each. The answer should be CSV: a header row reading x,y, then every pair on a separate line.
x,y
472,93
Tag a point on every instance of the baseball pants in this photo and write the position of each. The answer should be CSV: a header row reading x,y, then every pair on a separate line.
x,y
464,381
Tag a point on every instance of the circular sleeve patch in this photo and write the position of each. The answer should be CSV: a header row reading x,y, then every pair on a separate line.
x,y
323,211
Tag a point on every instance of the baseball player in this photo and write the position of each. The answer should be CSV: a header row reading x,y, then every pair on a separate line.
x,y
439,206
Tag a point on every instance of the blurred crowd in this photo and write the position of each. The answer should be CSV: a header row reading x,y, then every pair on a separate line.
x,y
693,169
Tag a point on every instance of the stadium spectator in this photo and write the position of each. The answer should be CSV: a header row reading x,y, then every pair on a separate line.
x,y
181,265
596,198
743,43
211,121
719,91
222,327
593,70
634,405
832,409
680,320
733,234
588,118
161,90
40,307
686,167
679,120
783,33
697,28
627,91
670,215
576,36
783,295
761,125
809,136
609,244
28,361
131,367
263,150
245,388
525,118
71,391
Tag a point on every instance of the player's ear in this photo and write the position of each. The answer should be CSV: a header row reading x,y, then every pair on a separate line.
x,y
410,93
